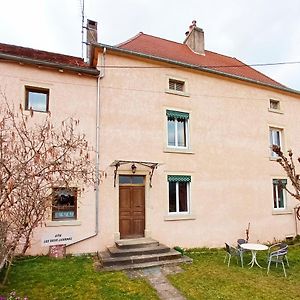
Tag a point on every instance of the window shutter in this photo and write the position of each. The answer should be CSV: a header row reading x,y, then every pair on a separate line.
x,y
179,178
177,114
176,85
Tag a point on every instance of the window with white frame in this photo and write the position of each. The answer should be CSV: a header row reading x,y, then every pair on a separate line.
x,y
279,193
275,139
177,129
179,194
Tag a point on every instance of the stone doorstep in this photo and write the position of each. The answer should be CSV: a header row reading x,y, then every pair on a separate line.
x,y
136,243
182,259
107,260
117,252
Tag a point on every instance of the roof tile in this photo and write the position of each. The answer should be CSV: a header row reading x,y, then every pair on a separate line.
x,y
177,52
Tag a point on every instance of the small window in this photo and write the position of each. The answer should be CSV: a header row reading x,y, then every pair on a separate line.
x,y
274,104
177,129
64,203
275,139
36,99
279,194
176,85
131,179
179,194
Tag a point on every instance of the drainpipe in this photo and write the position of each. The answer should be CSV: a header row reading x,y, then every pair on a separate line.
x,y
101,70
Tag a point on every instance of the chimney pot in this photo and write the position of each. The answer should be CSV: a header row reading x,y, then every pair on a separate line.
x,y
195,38
91,36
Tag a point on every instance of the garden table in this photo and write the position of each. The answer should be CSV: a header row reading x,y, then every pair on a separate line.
x,y
254,248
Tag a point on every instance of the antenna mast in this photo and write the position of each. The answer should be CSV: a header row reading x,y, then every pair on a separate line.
x,y
82,26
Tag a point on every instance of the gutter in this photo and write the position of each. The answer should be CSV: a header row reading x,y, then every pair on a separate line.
x,y
38,62
101,72
195,67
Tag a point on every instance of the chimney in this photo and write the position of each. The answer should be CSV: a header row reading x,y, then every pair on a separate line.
x,y
195,39
91,37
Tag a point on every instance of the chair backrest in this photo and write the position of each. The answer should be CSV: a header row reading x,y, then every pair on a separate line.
x,y
241,241
227,248
278,255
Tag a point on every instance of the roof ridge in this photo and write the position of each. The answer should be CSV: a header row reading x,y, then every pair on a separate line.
x,y
142,33
130,39
39,50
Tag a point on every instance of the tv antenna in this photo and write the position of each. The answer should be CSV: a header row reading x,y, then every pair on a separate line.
x,y
82,26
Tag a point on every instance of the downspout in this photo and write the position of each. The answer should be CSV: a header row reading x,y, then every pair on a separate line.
x,y
101,70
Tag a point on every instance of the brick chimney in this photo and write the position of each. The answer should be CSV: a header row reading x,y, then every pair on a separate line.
x,y
91,37
195,38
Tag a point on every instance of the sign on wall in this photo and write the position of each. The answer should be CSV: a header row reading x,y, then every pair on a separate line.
x,y
57,238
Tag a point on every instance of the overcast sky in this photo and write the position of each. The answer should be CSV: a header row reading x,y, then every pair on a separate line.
x,y
254,31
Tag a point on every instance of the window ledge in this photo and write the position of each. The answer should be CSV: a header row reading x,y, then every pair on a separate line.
x,y
63,223
277,111
282,212
179,217
178,150
184,94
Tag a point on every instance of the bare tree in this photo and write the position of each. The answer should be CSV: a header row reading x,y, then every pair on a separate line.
x,y
288,164
35,156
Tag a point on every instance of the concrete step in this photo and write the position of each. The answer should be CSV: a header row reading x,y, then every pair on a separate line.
x,y
107,260
136,243
182,259
115,251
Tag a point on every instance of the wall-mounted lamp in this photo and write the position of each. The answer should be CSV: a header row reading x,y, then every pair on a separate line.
x,y
133,168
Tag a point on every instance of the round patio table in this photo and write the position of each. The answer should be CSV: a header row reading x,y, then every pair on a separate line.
x,y
254,248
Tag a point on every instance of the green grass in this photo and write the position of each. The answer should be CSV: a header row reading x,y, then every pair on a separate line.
x,y
71,278
209,278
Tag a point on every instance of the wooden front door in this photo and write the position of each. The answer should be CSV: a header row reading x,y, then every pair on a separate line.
x,y
131,207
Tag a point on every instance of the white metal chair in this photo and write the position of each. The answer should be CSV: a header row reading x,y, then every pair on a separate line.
x,y
277,257
279,246
232,251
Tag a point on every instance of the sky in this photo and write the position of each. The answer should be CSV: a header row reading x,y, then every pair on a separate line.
x,y
255,32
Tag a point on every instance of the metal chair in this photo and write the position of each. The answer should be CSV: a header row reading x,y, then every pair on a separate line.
x,y
232,251
277,257
282,247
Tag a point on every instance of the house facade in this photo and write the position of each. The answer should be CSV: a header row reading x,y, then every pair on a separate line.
x,y
184,138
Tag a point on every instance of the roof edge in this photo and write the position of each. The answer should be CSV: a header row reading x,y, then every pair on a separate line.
x,y
49,64
195,67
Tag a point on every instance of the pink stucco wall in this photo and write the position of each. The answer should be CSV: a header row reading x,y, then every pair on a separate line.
x,y
228,159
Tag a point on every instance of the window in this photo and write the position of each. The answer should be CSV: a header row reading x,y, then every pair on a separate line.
x,y
274,104
176,85
177,129
279,194
36,99
64,203
179,193
275,139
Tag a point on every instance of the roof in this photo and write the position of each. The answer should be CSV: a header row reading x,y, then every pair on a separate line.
x,y
40,57
176,52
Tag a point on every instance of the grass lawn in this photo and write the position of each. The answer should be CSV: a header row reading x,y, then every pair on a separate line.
x,y
74,278
209,278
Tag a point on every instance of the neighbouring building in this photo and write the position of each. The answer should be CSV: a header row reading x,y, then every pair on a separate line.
x,y
184,137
